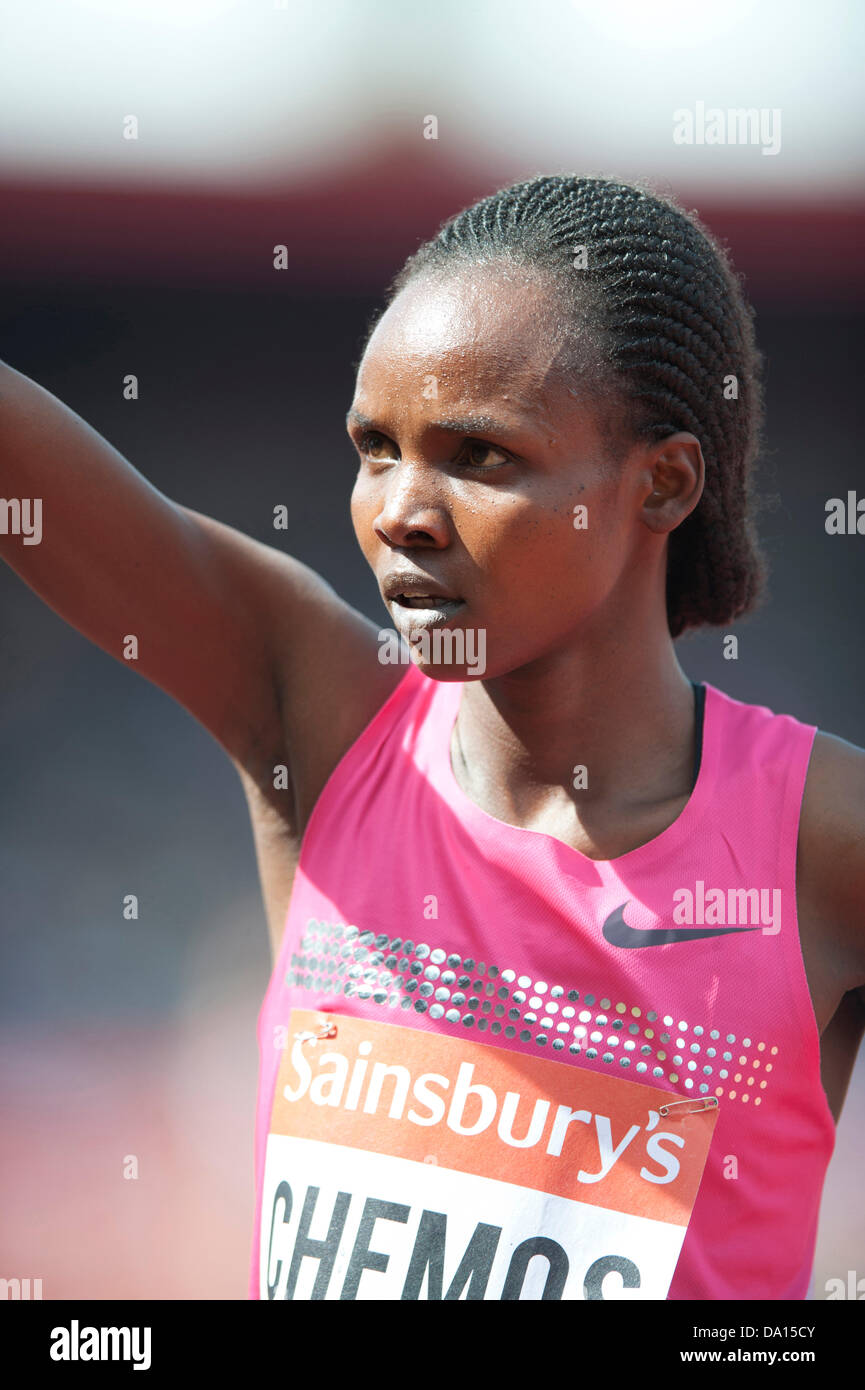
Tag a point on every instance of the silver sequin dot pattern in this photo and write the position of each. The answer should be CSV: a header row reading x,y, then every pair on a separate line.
x,y
399,973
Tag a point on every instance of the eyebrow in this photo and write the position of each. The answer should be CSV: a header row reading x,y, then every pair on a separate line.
x,y
469,424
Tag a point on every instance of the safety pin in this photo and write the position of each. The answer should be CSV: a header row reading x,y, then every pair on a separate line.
x,y
694,1106
327,1029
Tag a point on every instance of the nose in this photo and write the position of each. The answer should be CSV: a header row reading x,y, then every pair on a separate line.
x,y
412,508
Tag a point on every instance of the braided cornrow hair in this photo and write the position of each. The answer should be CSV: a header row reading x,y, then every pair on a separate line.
x,y
667,316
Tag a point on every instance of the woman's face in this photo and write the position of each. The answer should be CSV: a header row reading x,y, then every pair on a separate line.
x,y
474,454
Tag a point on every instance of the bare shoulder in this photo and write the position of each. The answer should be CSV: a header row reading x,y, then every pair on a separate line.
x,y
331,694
831,855
329,685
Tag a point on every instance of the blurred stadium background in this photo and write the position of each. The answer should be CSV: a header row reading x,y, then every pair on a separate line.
x,y
262,123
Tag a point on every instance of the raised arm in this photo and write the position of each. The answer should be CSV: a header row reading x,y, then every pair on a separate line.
x,y
256,645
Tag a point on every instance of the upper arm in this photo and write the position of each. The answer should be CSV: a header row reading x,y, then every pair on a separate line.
x,y
832,851
252,642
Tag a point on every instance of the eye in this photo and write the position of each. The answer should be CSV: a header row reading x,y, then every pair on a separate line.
x,y
476,453
371,442
476,447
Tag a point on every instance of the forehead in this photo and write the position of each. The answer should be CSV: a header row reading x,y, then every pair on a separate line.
x,y
478,329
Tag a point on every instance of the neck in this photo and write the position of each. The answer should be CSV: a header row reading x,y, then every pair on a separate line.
x,y
628,718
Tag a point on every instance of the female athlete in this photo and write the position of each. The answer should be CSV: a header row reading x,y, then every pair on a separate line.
x,y
569,963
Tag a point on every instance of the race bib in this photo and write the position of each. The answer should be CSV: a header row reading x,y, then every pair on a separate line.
x,y
404,1164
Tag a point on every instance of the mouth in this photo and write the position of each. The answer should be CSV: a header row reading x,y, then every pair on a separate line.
x,y
414,611
427,602
417,600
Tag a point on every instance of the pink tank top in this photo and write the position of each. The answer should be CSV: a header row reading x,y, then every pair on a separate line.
x,y
442,973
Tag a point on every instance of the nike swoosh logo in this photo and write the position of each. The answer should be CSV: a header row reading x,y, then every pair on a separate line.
x,y
618,933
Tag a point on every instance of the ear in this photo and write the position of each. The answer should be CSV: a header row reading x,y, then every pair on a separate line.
x,y
674,477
